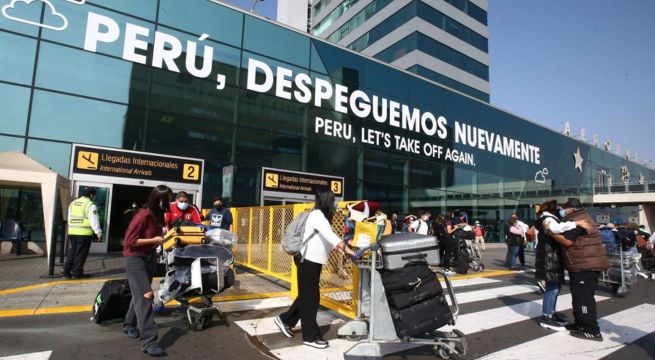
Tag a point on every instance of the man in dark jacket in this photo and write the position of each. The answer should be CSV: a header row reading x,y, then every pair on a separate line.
x,y
584,257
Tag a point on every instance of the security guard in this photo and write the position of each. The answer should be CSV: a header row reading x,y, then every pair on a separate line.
x,y
83,228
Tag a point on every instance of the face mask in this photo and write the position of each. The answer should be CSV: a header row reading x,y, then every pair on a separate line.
x,y
182,205
562,213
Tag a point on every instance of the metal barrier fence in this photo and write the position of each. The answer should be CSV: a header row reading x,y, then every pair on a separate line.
x,y
259,232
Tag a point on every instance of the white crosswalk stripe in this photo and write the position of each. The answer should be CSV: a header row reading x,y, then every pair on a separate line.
x,y
487,296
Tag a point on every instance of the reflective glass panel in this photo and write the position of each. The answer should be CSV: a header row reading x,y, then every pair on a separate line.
x,y
10,143
85,121
84,73
14,102
54,155
17,58
275,41
203,17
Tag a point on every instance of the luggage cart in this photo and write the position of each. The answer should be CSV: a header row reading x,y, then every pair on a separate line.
x,y
622,273
196,269
375,325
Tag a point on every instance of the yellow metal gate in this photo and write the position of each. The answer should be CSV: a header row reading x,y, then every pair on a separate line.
x,y
259,232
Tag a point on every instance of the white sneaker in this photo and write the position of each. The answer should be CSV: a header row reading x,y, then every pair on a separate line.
x,y
319,344
284,329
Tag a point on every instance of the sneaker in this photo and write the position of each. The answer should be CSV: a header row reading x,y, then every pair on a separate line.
x,y
586,335
560,318
572,327
132,333
319,344
66,275
549,323
154,350
448,271
284,329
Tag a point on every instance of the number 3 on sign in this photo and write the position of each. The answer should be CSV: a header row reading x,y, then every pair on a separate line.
x,y
336,187
190,172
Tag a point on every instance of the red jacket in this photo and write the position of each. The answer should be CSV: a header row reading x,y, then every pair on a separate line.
x,y
191,214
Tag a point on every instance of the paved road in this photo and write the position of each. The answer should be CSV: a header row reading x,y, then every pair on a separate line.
x,y
498,315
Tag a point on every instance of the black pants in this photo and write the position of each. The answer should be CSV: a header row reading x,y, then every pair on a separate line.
x,y
140,270
77,254
305,306
450,252
16,245
583,286
522,254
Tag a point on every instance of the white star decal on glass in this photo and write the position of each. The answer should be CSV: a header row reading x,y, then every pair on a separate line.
x,y
578,160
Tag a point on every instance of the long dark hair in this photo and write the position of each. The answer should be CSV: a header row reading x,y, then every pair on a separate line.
x,y
325,202
158,202
550,206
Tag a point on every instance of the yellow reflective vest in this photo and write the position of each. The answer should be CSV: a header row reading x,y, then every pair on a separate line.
x,y
78,217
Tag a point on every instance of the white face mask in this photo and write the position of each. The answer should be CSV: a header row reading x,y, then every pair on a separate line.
x,y
182,205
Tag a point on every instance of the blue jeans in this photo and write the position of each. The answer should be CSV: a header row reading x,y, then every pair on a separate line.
x,y
550,297
513,254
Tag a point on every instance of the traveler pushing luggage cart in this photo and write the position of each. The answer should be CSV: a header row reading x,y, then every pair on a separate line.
x,y
402,304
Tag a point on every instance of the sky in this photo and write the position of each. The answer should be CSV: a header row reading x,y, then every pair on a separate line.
x,y
588,62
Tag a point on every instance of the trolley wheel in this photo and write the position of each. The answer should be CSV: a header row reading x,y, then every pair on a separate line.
x,y
481,267
622,291
199,322
476,268
461,348
355,337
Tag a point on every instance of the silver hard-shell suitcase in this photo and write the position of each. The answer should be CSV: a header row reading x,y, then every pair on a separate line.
x,y
401,249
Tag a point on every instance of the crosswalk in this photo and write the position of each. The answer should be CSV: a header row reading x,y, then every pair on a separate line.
x,y
489,307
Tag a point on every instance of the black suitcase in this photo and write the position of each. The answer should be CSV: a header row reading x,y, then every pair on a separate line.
x,y
410,285
462,261
112,302
421,318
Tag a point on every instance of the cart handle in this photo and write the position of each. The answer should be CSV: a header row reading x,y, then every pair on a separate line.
x,y
451,293
361,252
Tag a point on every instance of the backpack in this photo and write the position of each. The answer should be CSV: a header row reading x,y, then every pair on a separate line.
x,y
292,239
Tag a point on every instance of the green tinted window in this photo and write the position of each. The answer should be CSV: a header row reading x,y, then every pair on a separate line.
x,y
75,34
10,143
81,72
201,16
54,155
85,121
275,41
27,12
146,9
14,102
17,58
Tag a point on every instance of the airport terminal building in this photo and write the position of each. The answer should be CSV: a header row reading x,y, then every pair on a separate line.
x,y
126,94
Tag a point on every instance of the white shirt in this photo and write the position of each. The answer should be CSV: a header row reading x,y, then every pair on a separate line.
x,y
320,245
420,227
94,220
557,227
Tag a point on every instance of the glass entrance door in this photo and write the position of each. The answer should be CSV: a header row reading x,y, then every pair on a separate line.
x,y
102,201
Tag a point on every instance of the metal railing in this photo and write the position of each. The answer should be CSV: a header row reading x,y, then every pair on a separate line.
x,y
625,188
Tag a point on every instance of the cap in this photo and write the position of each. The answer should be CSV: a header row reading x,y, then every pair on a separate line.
x,y
88,191
611,226
573,203
477,222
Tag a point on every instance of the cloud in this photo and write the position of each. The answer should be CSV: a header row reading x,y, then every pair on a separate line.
x,y
78,2
540,176
15,6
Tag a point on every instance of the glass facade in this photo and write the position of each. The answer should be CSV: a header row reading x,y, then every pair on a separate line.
x,y
273,97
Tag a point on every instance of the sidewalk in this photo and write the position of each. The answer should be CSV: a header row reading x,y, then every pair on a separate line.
x,y
23,292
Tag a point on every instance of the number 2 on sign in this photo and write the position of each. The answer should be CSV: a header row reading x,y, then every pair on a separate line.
x,y
190,172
